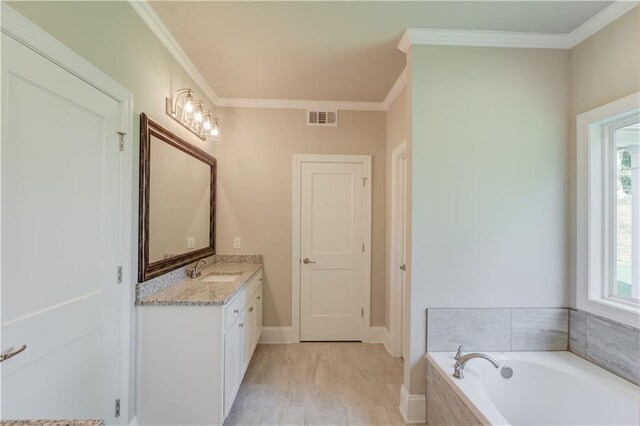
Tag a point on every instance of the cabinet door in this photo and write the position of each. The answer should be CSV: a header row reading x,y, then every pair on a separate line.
x,y
246,331
257,329
232,374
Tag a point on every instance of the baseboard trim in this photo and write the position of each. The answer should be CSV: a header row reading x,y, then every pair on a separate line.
x,y
273,335
380,334
413,407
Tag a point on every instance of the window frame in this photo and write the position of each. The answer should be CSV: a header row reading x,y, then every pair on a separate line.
x,y
596,212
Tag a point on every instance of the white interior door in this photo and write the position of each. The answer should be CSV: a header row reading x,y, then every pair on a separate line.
x,y
331,251
60,209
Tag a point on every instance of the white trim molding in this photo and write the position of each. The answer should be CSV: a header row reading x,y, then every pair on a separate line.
x,y
395,89
413,407
21,29
447,37
300,104
592,222
379,334
444,37
271,335
298,160
155,24
599,21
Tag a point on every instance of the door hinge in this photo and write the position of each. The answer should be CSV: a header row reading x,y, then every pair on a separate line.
x,y
363,247
362,312
364,182
119,274
117,408
122,135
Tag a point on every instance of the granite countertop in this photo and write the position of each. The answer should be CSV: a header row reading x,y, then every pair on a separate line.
x,y
198,292
51,422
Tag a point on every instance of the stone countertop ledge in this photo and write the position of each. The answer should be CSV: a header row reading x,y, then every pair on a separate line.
x,y
198,292
51,422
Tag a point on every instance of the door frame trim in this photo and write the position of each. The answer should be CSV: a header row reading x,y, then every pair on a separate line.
x,y
24,31
395,275
298,160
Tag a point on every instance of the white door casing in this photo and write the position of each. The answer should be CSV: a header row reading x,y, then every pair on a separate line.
x,y
62,183
398,239
332,227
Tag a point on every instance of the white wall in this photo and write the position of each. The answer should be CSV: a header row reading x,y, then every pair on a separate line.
x,y
490,182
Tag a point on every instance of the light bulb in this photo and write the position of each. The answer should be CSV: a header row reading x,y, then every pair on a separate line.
x,y
207,122
215,130
188,103
199,114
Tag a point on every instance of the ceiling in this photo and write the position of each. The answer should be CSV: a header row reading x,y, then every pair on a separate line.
x,y
335,50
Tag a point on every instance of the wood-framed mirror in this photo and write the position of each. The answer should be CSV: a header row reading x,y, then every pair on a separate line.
x,y
177,202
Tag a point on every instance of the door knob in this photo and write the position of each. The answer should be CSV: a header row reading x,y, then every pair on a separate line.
x,y
306,261
12,352
403,267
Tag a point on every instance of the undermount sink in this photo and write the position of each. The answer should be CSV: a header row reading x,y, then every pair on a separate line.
x,y
226,278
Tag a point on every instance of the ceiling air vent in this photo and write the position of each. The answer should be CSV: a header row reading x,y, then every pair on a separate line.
x,y
322,118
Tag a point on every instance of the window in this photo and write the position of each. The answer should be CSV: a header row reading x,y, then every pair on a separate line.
x,y
608,210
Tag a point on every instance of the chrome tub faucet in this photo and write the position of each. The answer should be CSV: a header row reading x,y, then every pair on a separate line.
x,y
458,368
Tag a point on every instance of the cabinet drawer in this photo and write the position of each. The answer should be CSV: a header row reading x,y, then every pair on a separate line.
x,y
234,308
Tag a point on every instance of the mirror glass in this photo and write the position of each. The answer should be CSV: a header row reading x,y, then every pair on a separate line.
x,y
179,202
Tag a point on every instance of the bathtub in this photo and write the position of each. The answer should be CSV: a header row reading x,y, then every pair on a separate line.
x,y
547,388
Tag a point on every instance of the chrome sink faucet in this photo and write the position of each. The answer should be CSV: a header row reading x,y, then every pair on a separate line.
x,y
193,271
459,366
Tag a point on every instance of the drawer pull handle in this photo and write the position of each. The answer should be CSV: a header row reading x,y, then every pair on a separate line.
x,y
241,325
12,352
235,311
251,309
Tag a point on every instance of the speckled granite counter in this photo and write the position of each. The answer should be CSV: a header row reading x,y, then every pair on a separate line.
x,y
195,291
51,423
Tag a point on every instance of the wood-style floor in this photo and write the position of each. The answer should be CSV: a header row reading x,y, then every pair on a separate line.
x,y
320,384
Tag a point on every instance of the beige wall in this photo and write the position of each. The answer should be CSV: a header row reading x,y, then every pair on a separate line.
x,y
490,187
605,67
398,131
255,167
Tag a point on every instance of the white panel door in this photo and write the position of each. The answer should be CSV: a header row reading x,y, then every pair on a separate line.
x,y
332,235
60,207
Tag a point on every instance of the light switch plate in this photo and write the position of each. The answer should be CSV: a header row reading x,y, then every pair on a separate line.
x,y
236,243
191,242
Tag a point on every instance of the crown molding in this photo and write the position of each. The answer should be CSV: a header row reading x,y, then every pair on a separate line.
x,y
300,104
395,89
599,21
444,37
155,24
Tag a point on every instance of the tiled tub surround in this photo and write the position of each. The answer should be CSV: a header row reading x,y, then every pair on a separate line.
x,y
612,346
175,288
497,329
547,388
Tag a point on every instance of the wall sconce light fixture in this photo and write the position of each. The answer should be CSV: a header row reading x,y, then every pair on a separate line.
x,y
193,115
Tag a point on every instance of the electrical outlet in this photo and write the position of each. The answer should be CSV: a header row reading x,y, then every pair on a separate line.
x,y
191,242
236,243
